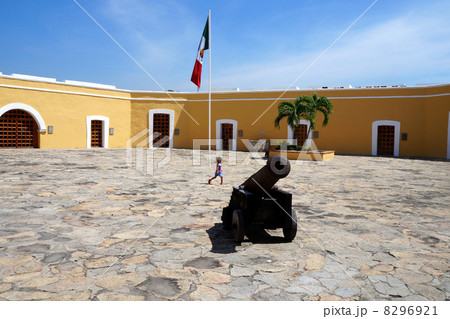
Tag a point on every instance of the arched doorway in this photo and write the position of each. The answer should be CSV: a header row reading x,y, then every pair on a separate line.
x,y
448,137
97,131
18,129
161,128
226,134
385,138
300,135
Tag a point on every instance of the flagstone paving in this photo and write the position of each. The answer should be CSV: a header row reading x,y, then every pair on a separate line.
x,y
82,225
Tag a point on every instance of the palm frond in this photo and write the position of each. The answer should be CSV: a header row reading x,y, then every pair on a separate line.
x,y
285,109
304,107
325,106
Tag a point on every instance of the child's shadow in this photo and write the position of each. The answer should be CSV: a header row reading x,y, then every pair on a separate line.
x,y
223,243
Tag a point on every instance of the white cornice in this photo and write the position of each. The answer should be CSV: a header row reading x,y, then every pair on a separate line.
x,y
169,99
32,78
90,94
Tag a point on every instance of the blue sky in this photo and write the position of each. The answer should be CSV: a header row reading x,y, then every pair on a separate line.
x,y
255,44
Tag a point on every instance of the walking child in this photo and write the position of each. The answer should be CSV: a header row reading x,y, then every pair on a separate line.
x,y
218,171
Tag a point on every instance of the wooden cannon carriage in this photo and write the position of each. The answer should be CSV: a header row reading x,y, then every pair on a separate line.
x,y
258,204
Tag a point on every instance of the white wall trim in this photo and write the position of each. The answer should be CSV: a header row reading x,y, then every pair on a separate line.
x,y
448,137
375,125
219,142
172,96
35,114
90,85
330,98
105,129
290,133
33,78
150,125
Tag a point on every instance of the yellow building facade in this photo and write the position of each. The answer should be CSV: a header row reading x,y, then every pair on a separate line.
x,y
44,113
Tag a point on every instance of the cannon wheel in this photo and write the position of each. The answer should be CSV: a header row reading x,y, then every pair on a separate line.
x,y
238,226
290,228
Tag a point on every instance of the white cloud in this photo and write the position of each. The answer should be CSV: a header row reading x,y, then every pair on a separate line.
x,y
163,36
410,48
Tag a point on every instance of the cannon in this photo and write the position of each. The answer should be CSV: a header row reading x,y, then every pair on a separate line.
x,y
258,204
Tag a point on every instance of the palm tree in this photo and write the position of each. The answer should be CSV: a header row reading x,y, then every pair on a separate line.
x,y
305,107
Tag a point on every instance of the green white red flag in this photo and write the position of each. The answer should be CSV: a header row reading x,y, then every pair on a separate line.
x,y
204,45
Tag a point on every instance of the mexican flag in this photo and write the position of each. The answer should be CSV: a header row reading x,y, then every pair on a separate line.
x,y
204,45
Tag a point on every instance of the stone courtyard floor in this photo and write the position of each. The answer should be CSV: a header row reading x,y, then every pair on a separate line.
x,y
82,225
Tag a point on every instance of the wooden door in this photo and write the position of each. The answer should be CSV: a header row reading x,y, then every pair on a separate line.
x,y
161,130
227,136
385,144
18,129
96,133
300,134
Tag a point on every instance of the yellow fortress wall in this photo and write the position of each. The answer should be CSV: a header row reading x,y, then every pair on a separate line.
x,y
66,108
420,112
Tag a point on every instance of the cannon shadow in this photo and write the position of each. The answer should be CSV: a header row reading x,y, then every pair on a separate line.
x,y
223,243
221,240
261,236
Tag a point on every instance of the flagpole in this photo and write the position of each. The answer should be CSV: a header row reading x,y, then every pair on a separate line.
x,y
209,91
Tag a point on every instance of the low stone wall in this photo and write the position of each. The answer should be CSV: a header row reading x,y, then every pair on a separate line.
x,y
305,156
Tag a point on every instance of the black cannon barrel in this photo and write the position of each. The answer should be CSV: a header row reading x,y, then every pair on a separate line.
x,y
277,167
